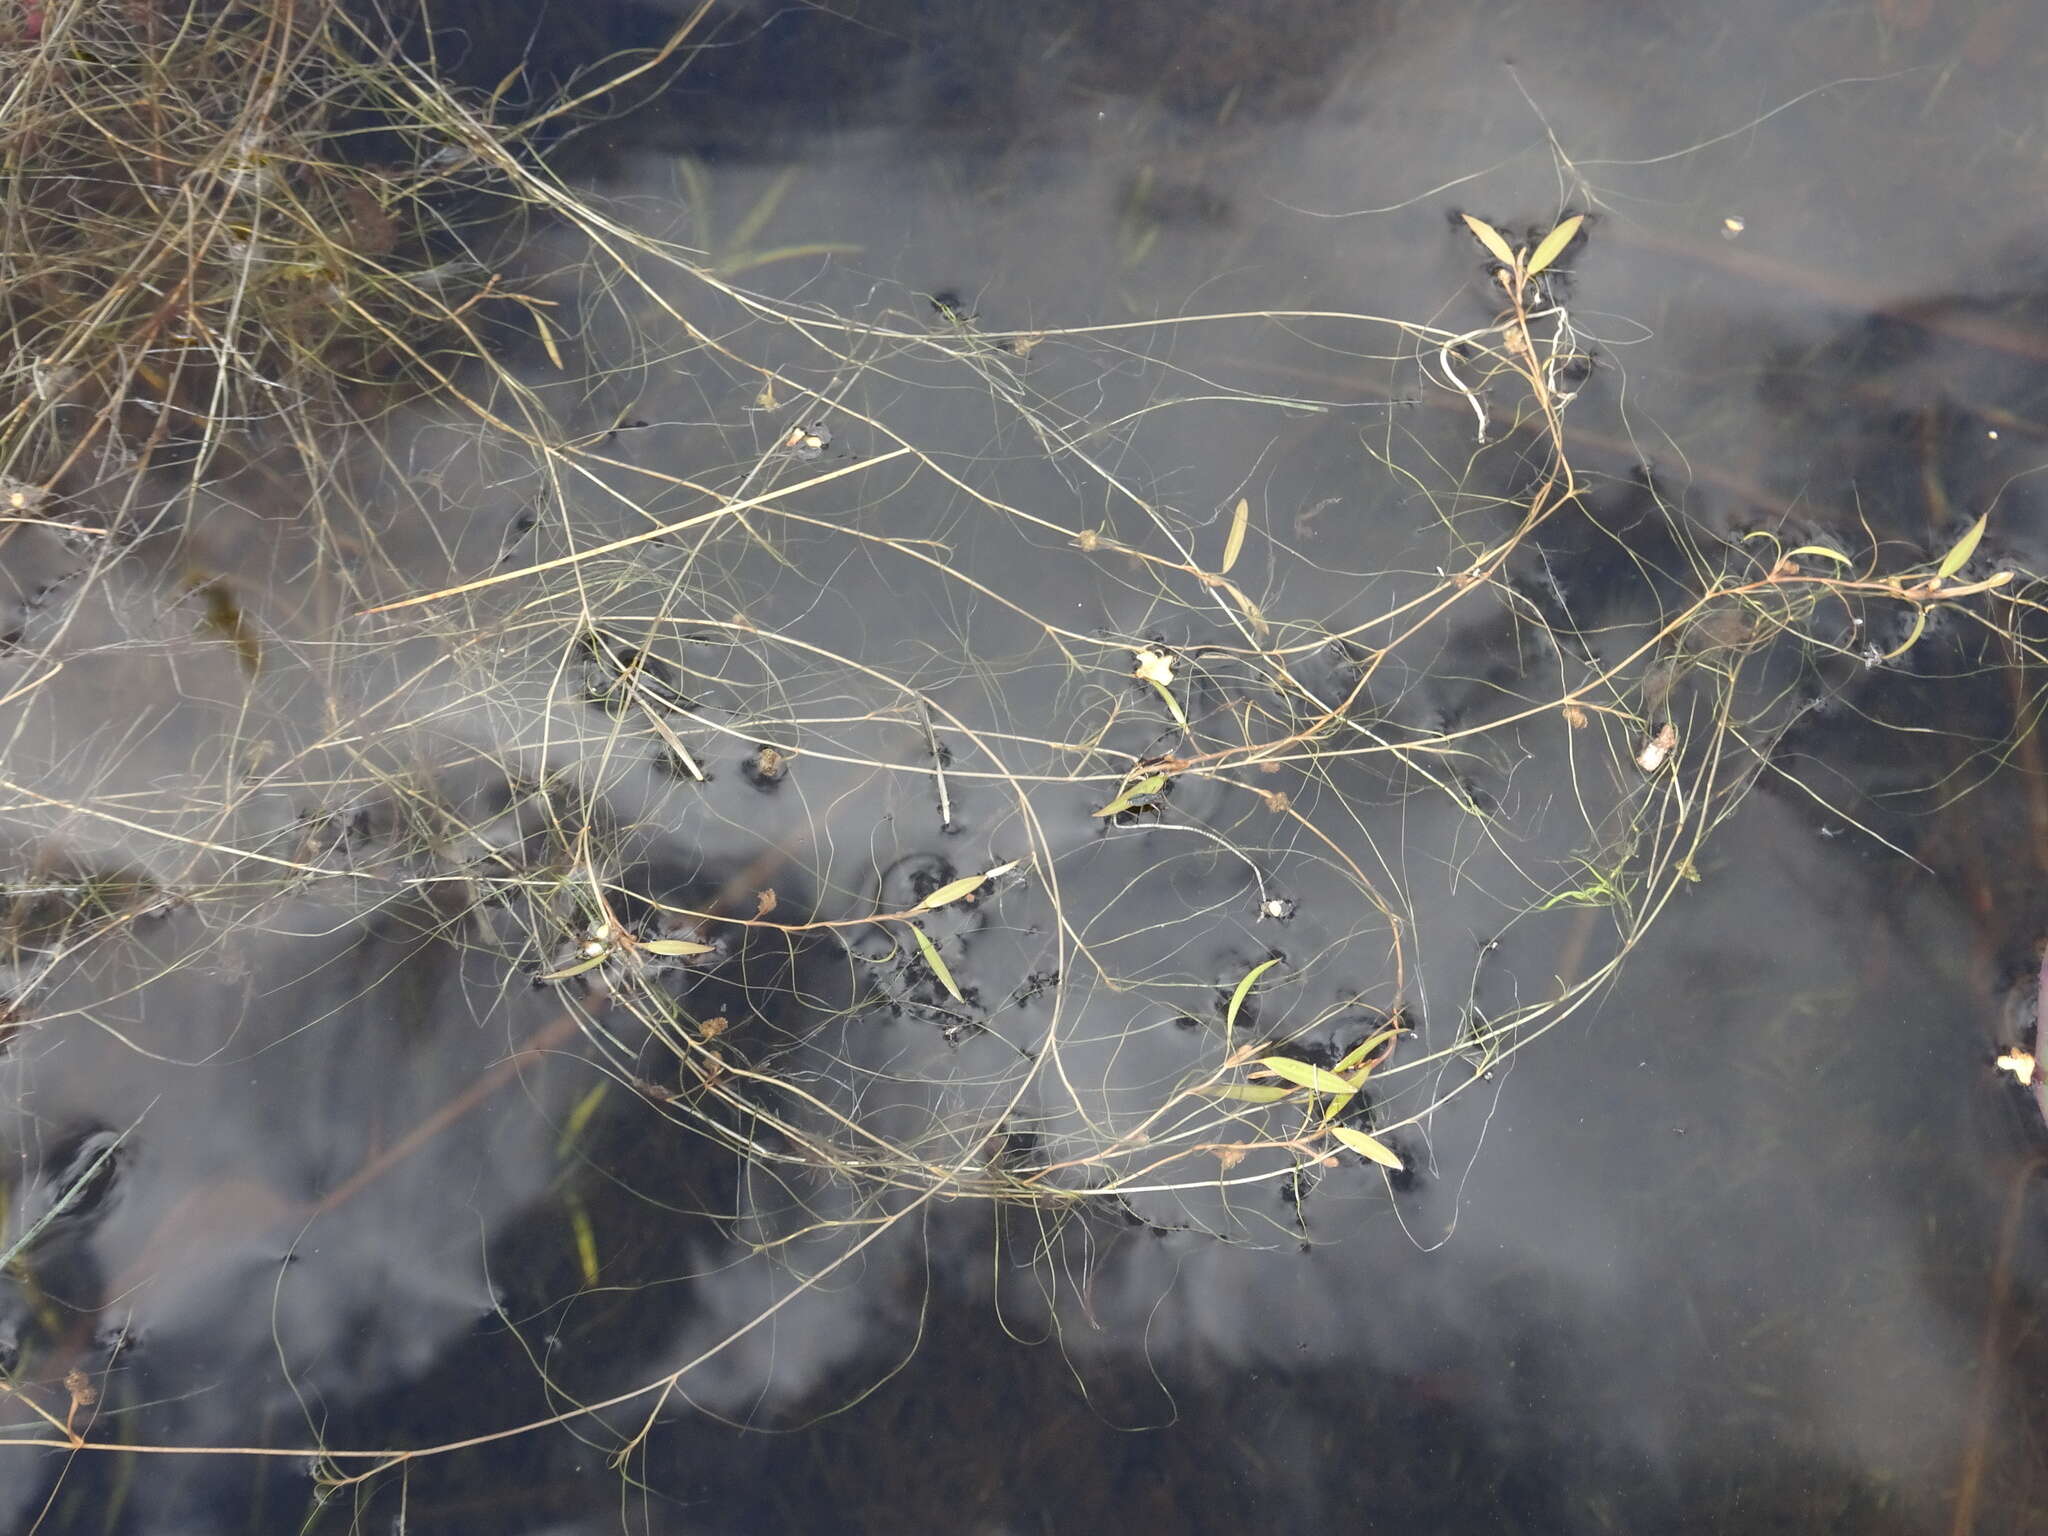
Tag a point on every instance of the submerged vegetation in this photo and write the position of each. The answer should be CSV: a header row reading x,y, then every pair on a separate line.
x,y
342,444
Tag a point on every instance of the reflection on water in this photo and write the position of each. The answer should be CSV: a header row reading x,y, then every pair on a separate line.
x,y
1752,1244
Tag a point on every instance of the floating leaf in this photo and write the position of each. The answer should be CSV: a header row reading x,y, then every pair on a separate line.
x,y
1260,628
1244,988
931,958
1965,547
1336,1106
1820,551
1363,1051
547,340
677,948
1232,546
1489,237
1151,784
1368,1146
1912,636
1249,1093
577,969
951,891
1307,1074
1552,245
1172,706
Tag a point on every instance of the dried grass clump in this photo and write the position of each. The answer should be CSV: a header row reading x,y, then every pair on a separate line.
x,y
218,219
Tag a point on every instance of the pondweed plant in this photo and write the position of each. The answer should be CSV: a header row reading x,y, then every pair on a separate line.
x,y
1128,922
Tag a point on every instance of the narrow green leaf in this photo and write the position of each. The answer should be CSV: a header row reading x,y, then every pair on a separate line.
x,y
1129,796
1912,636
1244,990
931,958
681,948
1489,237
1305,1073
1368,1146
1821,551
1364,1050
1965,547
1172,704
1336,1106
1552,245
577,969
951,891
1232,546
1249,1093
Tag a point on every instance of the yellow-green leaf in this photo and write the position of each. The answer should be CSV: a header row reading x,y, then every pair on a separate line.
x,y
1256,619
1172,704
1912,636
1307,1074
577,969
1368,1146
1489,237
1363,1050
1552,245
1336,1106
1249,1093
1151,784
547,340
1244,990
1235,543
1965,547
951,891
680,948
1821,551
931,958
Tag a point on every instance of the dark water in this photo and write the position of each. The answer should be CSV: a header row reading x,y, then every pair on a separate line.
x,y
1746,1237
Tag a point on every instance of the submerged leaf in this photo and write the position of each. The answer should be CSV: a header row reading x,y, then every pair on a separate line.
x,y
1552,245
1368,1146
931,958
1965,547
1489,237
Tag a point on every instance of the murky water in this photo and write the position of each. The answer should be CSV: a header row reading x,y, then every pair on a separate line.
x,y
1010,313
